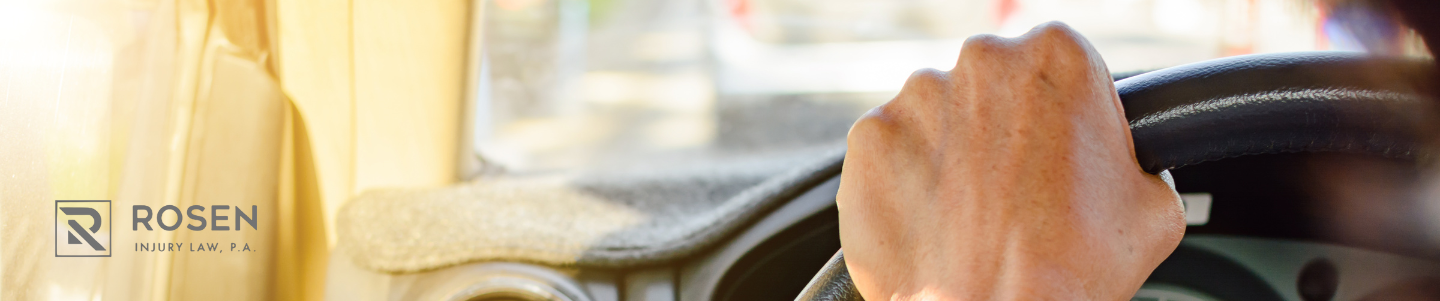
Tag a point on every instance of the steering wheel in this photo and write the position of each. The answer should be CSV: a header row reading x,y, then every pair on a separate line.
x,y
1250,105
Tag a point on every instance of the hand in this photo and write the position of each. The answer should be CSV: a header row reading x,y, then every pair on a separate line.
x,y
1010,177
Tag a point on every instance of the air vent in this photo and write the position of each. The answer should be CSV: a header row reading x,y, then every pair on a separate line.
x,y
496,282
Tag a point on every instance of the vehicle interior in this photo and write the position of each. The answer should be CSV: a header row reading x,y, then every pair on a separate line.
x,y
1264,149
1258,230
660,150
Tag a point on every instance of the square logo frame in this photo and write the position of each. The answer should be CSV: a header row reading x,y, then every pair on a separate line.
x,y
67,237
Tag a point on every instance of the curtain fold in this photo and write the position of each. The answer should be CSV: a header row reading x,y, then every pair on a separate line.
x,y
289,106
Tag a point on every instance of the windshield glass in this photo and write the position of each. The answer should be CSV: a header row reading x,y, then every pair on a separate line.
x,y
575,83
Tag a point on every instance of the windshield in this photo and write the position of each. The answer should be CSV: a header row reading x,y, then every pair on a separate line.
x,y
566,84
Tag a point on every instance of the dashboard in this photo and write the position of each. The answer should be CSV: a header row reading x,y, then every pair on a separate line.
x,y
1279,227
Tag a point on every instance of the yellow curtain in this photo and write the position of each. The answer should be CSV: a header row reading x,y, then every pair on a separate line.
x,y
291,106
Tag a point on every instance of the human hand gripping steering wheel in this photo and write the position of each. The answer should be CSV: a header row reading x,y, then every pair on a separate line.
x,y
1014,175
1009,177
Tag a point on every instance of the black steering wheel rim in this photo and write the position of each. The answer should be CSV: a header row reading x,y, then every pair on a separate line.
x,y
1251,105
1276,103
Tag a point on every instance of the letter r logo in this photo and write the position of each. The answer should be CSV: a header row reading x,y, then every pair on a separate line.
x,y
82,228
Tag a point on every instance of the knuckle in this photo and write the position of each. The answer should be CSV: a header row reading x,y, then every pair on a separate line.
x,y
871,126
1057,37
1062,47
921,90
927,79
983,45
1056,31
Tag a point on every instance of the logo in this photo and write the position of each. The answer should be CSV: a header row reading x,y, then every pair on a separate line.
x,y
82,228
